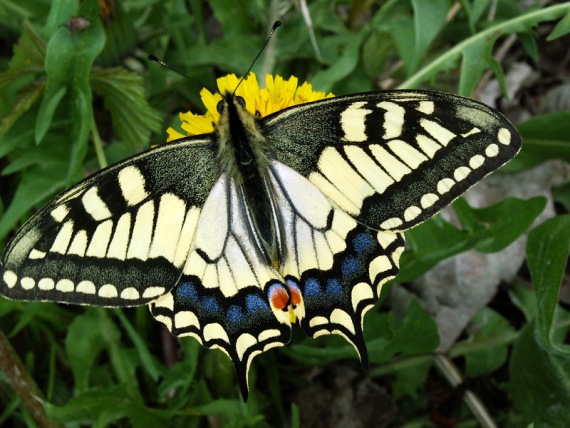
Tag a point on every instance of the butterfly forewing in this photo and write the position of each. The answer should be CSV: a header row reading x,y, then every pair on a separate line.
x,y
119,238
393,159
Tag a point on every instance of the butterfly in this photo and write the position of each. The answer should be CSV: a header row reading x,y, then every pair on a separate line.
x,y
231,237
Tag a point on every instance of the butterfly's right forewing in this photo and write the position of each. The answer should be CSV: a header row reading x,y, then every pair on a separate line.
x,y
392,159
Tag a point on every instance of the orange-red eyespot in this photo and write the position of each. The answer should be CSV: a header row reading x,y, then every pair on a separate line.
x,y
295,292
279,297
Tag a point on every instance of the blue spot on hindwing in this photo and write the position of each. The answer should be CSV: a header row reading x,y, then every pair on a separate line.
x,y
254,303
334,287
210,304
291,283
187,291
362,242
235,314
350,266
312,287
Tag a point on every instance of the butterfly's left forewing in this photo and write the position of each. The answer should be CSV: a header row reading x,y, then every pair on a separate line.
x,y
392,159
118,238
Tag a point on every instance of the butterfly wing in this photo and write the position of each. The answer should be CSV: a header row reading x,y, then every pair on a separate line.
x,y
228,296
118,238
392,159
334,264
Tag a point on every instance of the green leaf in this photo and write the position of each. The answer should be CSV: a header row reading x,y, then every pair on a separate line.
x,y
70,55
521,23
101,407
562,28
38,184
487,229
83,344
123,95
475,60
540,382
429,19
499,225
544,399
544,137
548,248
148,361
349,46
417,334
523,298
483,328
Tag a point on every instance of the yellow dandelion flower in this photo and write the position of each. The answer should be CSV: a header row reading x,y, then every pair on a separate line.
x,y
278,94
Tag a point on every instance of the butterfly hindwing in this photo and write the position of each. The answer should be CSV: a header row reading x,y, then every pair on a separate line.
x,y
222,298
392,159
335,264
118,238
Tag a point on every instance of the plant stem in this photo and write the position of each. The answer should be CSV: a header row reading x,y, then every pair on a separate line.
x,y
512,25
24,385
98,146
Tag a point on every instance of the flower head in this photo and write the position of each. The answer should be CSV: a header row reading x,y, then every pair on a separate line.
x,y
278,94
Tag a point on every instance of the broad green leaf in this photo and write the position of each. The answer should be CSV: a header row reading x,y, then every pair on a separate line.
x,y
524,298
548,248
544,137
487,229
70,55
101,407
484,357
402,32
24,101
497,226
60,12
475,60
540,382
83,344
349,45
233,412
417,334
36,187
147,359
121,362
429,19
123,95
234,17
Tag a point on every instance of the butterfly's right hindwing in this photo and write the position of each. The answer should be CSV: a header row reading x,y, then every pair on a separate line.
x,y
118,238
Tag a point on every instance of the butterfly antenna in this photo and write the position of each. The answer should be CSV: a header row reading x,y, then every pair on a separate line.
x,y
274,27
165,65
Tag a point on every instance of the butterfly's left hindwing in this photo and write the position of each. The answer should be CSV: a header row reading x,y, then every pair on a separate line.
x,y
118,238
223,297
392,159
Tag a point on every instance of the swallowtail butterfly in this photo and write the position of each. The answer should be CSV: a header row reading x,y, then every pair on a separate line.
x,y
232,236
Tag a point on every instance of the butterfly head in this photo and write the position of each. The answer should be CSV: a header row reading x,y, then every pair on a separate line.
x,y
241,144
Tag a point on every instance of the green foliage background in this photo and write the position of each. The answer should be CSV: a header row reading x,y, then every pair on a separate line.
x,y
73,100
